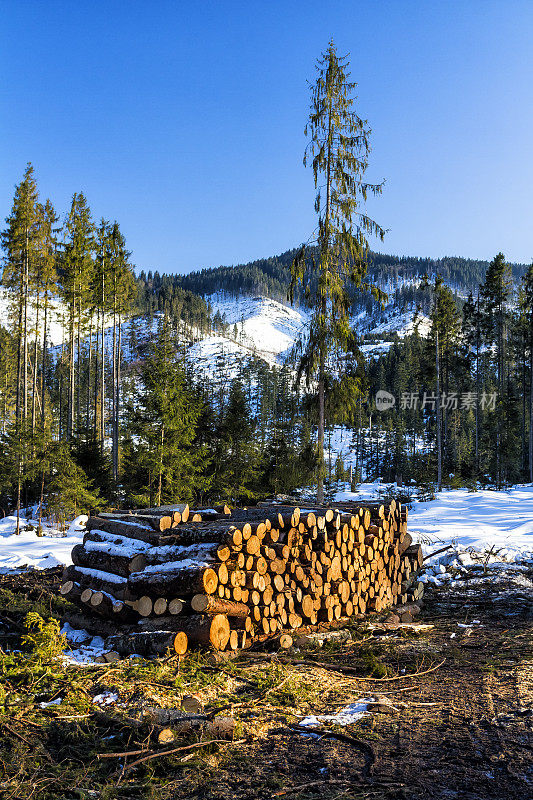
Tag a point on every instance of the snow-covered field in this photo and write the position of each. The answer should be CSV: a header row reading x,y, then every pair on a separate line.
x,y
26,549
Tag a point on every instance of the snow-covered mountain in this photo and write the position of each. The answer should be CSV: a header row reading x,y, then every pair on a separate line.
x,y
265,326
248,327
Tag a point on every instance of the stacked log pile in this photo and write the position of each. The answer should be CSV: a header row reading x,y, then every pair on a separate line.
x,y
159,578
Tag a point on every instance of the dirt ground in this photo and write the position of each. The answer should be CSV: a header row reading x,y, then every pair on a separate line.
x,y
461,726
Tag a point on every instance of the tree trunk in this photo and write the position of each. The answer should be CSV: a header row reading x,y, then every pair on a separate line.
x,y
25,359
102,366
108,560
89,370
439,444
114,380
531,410
44,359
191,580
34,372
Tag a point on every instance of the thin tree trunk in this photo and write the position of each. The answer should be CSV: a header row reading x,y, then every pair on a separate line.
x,y
25,361
160,479
41,501
321,378
78,363
102,375
96,424
114,371
34,372
89,368
43,376
19,356
439,443
322,343
478,344
117,412
531,411
70,414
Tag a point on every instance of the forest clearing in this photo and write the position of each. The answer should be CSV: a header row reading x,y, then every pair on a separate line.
x,y
266,400
360,707
460,723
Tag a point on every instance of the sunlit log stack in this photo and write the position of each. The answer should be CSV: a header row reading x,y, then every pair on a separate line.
x,y
171,577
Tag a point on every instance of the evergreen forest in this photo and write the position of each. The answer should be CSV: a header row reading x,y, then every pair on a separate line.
x,y
102,405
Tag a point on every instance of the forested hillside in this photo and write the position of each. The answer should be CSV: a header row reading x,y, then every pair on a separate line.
x,y
148,389
271,276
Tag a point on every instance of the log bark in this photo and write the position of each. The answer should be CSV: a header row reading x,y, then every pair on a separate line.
x,y
191,580
124,527
122,565
207,604
206,631
149,643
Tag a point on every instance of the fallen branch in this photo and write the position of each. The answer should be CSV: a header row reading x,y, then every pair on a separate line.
x,y
437,552
350,670
173,750
310,785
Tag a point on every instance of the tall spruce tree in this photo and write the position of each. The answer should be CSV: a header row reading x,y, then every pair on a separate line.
x,y
526,309
19,241
496,292
76,273
339,148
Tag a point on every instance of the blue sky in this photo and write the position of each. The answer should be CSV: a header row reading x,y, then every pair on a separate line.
x,y
184,120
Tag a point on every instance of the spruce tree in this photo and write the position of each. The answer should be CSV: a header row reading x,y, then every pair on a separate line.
x,y
19,241
496,292
163,421
339,147
76,273
526,309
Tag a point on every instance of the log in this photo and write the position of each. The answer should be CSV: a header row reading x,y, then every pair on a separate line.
x,y
93,624
113,562
124,527
150,643
208,631
415,555
191,580
98,579
207,604
220,532
108,606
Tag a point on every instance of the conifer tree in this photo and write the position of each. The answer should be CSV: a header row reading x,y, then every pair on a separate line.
x,y
76,273
236,459
69,491
443,344
526,308
496,292
47,276
339,147
163,421
19,241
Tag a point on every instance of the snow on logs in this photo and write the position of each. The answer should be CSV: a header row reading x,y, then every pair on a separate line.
x,y
168,577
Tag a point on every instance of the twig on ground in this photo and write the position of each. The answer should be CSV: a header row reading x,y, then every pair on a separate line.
x,y
176,750
351,670
437,552
310,785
